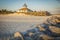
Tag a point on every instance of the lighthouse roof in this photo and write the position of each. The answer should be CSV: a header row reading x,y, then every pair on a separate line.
x,y
25,5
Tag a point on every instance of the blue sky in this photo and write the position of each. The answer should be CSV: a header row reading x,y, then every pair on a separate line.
x,y
48,5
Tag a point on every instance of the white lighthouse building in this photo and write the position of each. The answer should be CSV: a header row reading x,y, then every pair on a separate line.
x,y
24,9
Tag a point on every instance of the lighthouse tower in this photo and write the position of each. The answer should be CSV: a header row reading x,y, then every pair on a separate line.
x,y
25,5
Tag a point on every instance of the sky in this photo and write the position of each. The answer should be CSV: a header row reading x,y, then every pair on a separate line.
x,y
38,5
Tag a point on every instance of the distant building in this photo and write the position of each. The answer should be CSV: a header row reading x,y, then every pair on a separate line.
x,y
24,9
28,11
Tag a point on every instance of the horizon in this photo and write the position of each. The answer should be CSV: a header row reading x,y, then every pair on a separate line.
x,y
35,5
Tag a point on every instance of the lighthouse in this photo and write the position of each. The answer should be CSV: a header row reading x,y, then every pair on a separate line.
x,y
24,9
